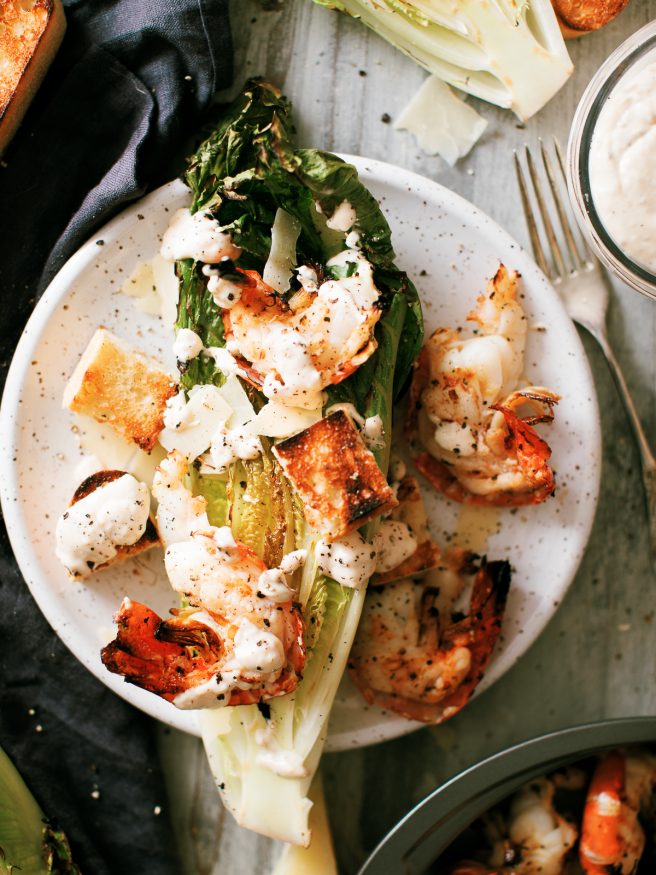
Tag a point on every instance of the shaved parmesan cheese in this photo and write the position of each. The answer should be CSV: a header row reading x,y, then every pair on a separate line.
x,y
140,285
154,286
442,123
233,393
100,441
198,421
282,257
277,420
168,289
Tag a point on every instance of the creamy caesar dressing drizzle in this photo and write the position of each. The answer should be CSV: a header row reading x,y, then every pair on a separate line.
x,y
360,285
291,562
228,445
343,218
307,276
286,763
273,584
257,650
394,543
622,164
179,513
350,561
195,563
292,377
371,428
224,360
197,236
187,345
225,292
90,531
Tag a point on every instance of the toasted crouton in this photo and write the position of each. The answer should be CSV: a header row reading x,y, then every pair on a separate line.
x,y
30,34
149,539
577,17
335,476
117,384
412,512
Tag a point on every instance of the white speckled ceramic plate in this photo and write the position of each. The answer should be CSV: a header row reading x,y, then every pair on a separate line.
x,y
450,249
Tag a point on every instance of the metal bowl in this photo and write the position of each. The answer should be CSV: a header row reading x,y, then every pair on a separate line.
x,y
428,830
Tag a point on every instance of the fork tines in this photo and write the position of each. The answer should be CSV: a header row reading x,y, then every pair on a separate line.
x,y
567,249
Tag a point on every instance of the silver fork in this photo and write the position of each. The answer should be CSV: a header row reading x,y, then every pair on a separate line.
x,y
582,284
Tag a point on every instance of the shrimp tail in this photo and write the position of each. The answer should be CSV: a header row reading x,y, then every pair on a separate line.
x,y
602,839
161,656
532,454
482,627
477,632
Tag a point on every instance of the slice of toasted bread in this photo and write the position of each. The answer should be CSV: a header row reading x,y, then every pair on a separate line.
x,y
577,17
31,31
412,512
115,383
335,475
149,539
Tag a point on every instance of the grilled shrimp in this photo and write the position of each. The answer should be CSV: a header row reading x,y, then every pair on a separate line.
x,y
537,838
240,638
466,411
292,349
612,839
407,659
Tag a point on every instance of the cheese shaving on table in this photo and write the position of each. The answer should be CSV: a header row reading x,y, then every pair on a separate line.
x,y
442,123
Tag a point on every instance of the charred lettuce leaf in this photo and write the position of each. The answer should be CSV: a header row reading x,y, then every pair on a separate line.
x,y
242,174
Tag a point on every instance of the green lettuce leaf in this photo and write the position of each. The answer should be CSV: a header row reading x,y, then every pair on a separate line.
x,y
242,174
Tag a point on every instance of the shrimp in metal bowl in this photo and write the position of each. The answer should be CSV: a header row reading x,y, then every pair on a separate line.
x,y
471,425
536,839
293,346
238,640
620,792
413,655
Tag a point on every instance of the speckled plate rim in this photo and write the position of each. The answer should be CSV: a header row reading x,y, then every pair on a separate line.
x,y
372,171
430,827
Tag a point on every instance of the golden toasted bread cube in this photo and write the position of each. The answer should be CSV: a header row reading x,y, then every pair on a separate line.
x,y
150,537
117,384
412,512
30,34
335,475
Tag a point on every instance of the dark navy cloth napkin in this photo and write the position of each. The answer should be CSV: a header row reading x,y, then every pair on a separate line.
x,y
127,89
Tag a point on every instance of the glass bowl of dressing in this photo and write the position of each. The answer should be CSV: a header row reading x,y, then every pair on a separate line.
x,y
611,161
